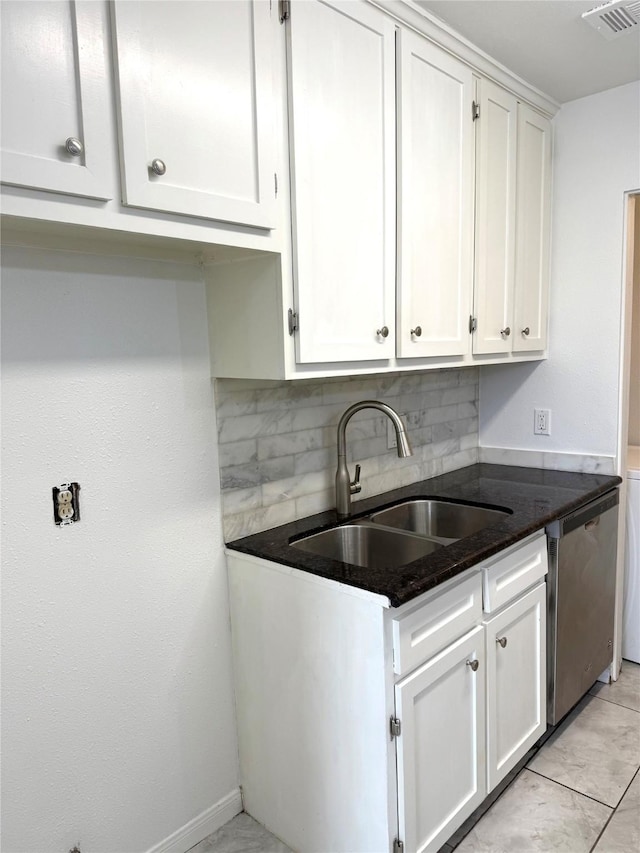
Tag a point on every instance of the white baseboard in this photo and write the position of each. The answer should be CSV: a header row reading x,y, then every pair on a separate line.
x,y
202,825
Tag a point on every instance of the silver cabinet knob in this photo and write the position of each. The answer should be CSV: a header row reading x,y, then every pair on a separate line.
x,y
417,331
474,664
74,146
505,332
383,332
158,167
501,641
526,331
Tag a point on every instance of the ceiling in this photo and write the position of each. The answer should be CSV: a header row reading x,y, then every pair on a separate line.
x,y
545,42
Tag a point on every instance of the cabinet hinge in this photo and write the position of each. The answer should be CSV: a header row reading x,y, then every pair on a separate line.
x,y
475,110
285,10
396,727
275,183
473,324
398,846
293,321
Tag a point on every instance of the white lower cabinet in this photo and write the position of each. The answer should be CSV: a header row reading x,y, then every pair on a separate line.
x,y
441,750
516,682
361,725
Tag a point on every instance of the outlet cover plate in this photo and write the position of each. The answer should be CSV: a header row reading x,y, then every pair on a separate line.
x,y
542,421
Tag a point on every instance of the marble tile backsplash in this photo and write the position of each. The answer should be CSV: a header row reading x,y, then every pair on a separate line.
x,y
277,440
551,460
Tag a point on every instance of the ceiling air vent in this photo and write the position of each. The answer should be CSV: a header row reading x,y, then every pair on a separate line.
x,y
615,18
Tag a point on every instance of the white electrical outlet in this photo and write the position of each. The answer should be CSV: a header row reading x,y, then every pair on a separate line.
x,y
542,421
66,503
65,511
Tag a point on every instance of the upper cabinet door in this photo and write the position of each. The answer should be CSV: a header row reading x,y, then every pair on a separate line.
x,y
533,216
55,106
435,199
342,126
495,218
195,89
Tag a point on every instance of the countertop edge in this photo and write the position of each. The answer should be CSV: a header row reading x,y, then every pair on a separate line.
x,y
402,585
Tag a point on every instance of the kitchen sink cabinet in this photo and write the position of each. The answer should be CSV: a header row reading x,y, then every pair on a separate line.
x,y
513,162
361,724
516,682
441,750
195,108
55,133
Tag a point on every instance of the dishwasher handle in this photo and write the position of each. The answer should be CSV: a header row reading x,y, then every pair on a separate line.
x,y
587,516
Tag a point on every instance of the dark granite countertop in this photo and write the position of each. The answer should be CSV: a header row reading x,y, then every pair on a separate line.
x,y
536,497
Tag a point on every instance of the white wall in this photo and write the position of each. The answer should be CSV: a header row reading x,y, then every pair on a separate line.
x,y
596,159
117,715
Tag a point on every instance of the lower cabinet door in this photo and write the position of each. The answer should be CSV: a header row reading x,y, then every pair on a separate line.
x,y
516,682
441,748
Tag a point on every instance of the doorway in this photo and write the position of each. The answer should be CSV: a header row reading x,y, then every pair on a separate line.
x,y
628,456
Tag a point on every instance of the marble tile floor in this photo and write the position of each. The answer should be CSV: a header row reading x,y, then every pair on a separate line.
x,y
579,793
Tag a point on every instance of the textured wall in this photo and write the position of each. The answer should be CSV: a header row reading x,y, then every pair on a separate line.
x,y
117,711
596,161
277,440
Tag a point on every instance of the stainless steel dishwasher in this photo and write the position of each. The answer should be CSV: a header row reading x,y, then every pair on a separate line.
x,y
580,596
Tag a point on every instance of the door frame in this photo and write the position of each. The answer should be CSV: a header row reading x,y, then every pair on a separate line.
x,y
631,212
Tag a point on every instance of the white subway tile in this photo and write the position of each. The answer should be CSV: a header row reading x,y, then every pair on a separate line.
x,y
317,502
286,395
241,500
237,453
315,460
294,487
252,426
289,443
253,521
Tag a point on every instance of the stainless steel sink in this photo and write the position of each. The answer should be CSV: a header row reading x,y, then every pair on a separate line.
x,y
446,522
367,545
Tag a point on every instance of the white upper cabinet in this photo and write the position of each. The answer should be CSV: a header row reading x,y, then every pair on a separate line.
x,y
513,212
195,99
341,80
533,215
495,218
435,199
55,131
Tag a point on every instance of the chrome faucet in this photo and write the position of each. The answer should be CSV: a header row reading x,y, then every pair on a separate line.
x,y
344,487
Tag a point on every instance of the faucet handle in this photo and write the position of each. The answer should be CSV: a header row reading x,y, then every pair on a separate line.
x,y
355,486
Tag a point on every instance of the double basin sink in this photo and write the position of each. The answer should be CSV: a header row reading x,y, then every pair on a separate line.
x,y
393,537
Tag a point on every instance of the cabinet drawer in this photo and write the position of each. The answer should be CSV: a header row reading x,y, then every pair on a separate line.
x,y
513,571
424,630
